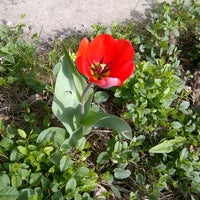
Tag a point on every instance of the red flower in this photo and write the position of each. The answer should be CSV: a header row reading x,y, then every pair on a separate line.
x,y
105,61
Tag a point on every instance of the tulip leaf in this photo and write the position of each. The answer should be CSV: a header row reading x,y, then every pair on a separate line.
x,y
100,119
78,134
68,91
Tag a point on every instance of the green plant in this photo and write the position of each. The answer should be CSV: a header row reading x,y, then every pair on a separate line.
x,y
118,31
17,56
76,159
149,95
34,163
158,106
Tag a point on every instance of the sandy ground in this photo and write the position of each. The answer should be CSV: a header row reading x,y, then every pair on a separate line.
x,y
55,17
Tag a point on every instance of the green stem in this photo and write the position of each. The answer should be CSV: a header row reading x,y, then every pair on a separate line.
x,y
83,97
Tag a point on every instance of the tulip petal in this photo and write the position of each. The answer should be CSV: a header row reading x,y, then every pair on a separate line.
x,y
124,50
101,49
122,65
81,58
108,82
123,71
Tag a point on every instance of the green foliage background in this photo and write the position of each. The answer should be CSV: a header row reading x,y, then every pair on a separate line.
x,y
163,155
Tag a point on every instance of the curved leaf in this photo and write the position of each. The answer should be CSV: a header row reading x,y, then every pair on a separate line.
x,y
100,119
121,173
9,193
168,145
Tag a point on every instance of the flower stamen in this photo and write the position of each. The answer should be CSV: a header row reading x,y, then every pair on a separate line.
x,y
99,70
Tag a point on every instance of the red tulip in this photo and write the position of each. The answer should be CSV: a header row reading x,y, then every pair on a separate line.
x,y
105,61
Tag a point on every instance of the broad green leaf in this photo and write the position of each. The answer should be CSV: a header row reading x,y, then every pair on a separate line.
x,y
157,81
6,143
167,91
184,105
48,150
55,186
116,192
32,147
139,178
4,181
82,171
171,49
24,173
65,163
103,157
107,176
78,134
77,196
54,134
35,178
55,159
161,167
81,144
118,146
21,133
52,169
9,58
176,125
175,31
4,50
190,128
22,150
168,145
15,155
75,137
8,193
67,97
99,119
100,97
16,181
57,196
121,173
71,185
26,193
196,186
184,154
39,192
10,132
45,182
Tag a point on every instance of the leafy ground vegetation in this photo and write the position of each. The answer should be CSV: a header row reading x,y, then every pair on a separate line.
x,y
161,102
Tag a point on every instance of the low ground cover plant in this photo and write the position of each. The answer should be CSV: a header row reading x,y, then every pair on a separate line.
x,y
59,140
